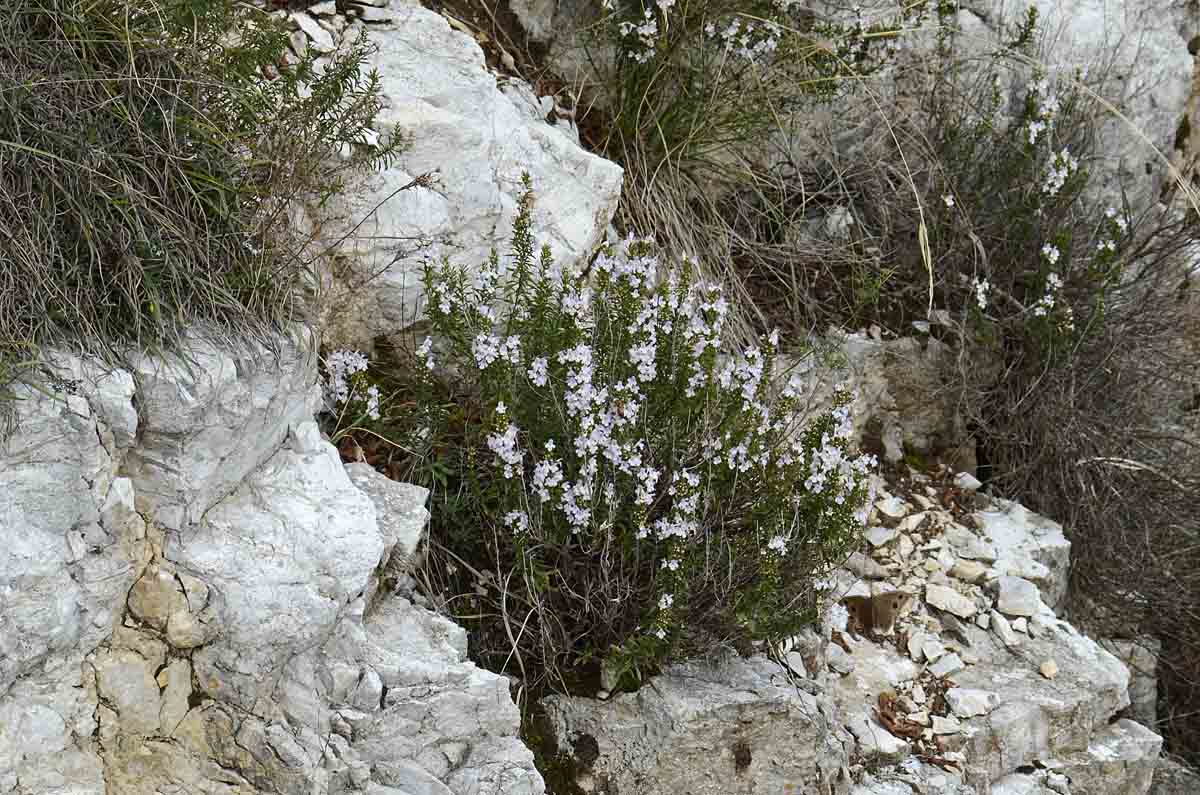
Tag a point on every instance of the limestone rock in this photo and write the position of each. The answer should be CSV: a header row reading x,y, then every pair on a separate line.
x,y
479,141
680,732
210,415
320,38
950,600
1018,597
1029,546
966,702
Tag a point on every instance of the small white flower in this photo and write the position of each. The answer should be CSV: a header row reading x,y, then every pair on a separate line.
x,y
981,291
517,520
1051,253
666,601
501,409
537,371
948,200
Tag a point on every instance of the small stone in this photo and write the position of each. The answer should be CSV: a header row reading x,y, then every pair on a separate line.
x,y
971,571
951,601
185,631
933,650
911,522
915,641
945,559
918,694
968,702
931,566
920,717
946,725
969,545
604,694
369,692
176,689
946,665
839,661
922,500
878,536
876,741
1004,630
905,547
983,620
967,481
1018,597
893,508
327,8
862,566
1049,669
321,39
969,657
1020,624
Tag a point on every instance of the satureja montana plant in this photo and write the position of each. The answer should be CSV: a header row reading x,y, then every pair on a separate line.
x,y
613,488
688,81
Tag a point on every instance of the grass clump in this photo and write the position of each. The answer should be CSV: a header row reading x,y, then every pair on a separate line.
x,y
614,489
150,153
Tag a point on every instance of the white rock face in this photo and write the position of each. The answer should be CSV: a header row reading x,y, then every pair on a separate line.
x,y
479,140
705,728
231,630
1029,546
1142,43
208,418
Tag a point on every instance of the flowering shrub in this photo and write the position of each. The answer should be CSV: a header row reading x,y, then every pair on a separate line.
x,y
626,490
691,79
348,392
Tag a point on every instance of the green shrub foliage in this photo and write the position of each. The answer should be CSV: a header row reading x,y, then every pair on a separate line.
x,y
614,488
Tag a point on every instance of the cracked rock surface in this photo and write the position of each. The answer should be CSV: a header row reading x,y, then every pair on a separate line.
x,y
184,598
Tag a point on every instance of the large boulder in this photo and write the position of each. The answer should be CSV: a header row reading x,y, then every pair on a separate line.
x,y
976,687
708,728
196,597
477,135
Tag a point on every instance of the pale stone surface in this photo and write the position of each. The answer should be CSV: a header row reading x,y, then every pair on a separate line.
x,y
1173,777
875,742
950,600
211,415
221,647
1017,596
678,732
479,140
1120,760
967,702
1028,545
320,38
1141,658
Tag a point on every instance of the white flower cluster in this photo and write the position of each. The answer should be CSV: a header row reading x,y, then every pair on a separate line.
x,y
507,449
425,352
981,287
751,41
644,36
1047,108
1120,226
339,388
1058,171
488,349
1053,285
